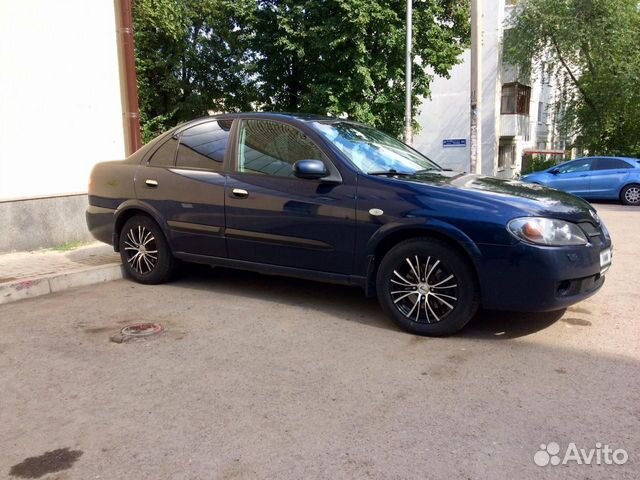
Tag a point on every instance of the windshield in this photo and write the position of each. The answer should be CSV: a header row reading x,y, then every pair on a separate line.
x,y
372,151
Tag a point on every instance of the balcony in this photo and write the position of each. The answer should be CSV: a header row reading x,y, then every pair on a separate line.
x,y
513,125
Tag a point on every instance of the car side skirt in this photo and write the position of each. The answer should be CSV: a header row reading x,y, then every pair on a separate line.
x,y
327,277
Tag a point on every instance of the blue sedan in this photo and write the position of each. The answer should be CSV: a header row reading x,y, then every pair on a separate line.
x,y
594,178
336,201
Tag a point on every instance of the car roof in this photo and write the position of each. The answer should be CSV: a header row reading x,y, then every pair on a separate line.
x,y
302,117
613,157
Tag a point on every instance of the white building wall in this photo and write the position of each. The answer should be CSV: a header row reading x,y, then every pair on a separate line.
x,y
60,107
446,114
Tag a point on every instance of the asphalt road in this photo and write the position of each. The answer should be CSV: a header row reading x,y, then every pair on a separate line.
x,y
266,377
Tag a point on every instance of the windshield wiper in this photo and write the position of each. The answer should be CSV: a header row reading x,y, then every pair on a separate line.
x,y
390,172
427,170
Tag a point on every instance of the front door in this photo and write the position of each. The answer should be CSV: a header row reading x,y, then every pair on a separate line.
x,y
276,218
573,177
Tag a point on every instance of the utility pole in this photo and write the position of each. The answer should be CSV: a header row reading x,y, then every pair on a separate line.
x,y
408,133
475,140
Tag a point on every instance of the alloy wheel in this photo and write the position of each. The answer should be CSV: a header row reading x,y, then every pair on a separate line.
x,y
632,195
424,289
141,249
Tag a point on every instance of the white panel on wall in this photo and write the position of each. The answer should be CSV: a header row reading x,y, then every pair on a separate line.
x,y
60,108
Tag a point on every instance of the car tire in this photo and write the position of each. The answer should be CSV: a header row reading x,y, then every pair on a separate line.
x,y
630,195
145,252
427,287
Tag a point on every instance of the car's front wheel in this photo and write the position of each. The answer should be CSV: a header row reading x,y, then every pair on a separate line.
x,y
427,288
630,195
145,253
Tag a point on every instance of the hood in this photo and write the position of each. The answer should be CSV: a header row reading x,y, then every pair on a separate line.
x,y
529,198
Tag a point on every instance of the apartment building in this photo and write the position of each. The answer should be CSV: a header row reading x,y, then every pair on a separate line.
x,y
520,114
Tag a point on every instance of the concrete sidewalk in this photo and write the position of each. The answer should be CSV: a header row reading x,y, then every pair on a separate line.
x,y
31,274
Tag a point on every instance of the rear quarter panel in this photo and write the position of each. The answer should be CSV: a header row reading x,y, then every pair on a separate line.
x,y
111,184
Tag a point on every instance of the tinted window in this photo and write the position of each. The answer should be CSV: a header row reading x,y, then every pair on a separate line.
x,y
577,166
271,148
611,164
204,145
165,156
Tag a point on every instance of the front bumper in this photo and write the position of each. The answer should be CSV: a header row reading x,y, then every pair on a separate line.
x,y
531,278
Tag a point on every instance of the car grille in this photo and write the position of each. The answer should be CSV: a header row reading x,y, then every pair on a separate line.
x,y
596,233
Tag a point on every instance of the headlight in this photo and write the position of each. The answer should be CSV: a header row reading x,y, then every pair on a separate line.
x,y
547,231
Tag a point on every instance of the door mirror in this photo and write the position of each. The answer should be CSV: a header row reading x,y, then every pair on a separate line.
x,y
554,171
310,169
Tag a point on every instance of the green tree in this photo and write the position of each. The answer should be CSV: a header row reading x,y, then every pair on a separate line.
x,y
316,56
594,45
189,59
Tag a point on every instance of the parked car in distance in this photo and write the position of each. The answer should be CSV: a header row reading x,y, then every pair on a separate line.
x,y
332,200
594,178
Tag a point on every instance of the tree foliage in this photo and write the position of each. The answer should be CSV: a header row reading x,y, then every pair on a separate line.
x,y
316,56
595,45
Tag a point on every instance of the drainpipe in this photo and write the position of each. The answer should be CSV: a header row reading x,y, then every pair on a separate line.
x,y
128,84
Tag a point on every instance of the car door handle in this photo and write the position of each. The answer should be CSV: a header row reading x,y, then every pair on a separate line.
x,y
151,182
239,193
585,175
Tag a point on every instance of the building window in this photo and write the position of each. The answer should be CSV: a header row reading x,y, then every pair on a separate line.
x,y
540,112
515,99
506,156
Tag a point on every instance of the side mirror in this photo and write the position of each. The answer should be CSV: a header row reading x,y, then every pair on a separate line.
x,y
554,171
310,169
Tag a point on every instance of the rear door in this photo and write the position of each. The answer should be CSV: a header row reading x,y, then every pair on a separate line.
x,y
608,176
188,188
574,177
276,218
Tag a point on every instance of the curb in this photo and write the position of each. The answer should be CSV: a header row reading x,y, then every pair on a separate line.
x,y
38,286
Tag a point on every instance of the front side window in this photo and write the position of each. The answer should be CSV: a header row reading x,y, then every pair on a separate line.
x,y
611,164
577,166
271,148
203,146
373,151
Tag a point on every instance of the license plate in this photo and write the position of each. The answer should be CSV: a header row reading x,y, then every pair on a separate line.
x,y
605,260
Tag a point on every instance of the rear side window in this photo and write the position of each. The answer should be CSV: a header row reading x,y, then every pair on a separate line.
x,y
165,156
204,146
611,164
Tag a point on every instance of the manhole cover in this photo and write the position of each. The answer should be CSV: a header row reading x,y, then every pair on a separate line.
x,y
141,329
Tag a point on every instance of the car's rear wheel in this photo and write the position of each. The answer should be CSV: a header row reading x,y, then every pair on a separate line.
x,y
427,288
145,253
630,195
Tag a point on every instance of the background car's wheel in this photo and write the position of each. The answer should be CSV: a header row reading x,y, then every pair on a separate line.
x,y
145,253
630,195
427,288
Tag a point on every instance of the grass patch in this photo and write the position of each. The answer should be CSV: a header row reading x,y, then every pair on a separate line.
x,y
68,246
